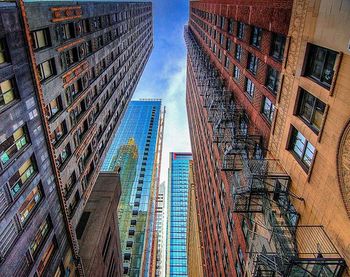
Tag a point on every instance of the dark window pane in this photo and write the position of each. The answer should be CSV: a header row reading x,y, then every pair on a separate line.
x,y
320,64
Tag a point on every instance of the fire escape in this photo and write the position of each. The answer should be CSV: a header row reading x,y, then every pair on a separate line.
x,y
259,185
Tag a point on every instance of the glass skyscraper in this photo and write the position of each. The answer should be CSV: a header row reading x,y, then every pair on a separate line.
x,y
134,149
178,180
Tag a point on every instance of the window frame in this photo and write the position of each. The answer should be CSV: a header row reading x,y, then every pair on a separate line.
x,y
40,238
238,52
230,26
271,109
252,63
240,30
236,72
28,201
249,88
18,181
301,103
46,35
281,41
14,143
41,70
58,101
256,37
300,157
312,51
12,90
273,89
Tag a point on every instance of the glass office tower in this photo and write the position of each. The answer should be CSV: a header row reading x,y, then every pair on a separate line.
x,y
178,180
133,149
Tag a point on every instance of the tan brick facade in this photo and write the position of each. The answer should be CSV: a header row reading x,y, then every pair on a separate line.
x,y
325,186
194,259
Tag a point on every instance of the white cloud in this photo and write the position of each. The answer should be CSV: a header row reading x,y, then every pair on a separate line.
x,y
176,136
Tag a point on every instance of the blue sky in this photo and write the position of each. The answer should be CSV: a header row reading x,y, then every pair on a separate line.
x,y
165,74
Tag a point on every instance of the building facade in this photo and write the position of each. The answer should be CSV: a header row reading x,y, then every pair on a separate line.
x,y
89,59
194,253
176,263
68,73
245,50
311,129
139,125
33,236
253,220
161,233
97,230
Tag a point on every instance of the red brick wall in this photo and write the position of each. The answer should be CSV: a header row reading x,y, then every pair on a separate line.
x,y
271,16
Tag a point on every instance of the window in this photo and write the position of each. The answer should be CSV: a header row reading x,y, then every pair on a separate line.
x,y
256,37
214,48
222,22
219,55
49,252
320,64
71,57
40,237
228,44
63,156
41,38
311,110
59,132
7,93
277,46
240,30
227,62
4,56
268,109
236,72
249,87
13,145
230,26
68,31
19,179
272,79
252,63
238,52
301,148
222,38
54,107
46,69
29,205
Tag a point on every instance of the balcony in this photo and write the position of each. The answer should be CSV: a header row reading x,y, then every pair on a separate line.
x,y
299,251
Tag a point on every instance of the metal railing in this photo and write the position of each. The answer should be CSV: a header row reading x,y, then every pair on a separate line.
x,y
278,246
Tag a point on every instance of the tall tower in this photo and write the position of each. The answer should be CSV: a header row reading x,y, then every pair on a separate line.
x,y
33,235
69,70
194,252
139,128
252,216
178,183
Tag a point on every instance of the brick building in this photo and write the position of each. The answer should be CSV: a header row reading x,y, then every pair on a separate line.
x,y
68,73
311,130
251,216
